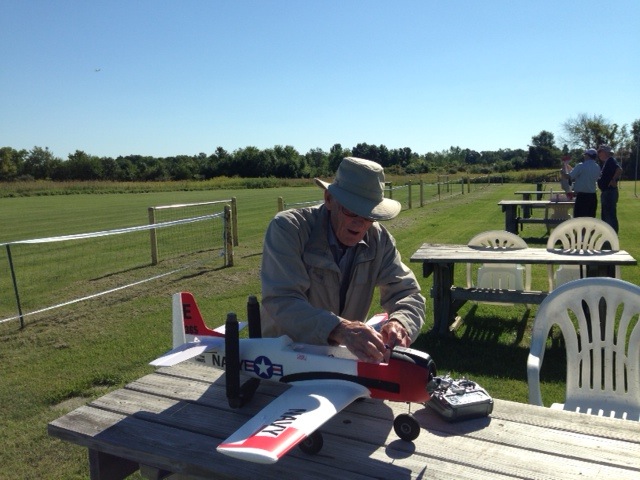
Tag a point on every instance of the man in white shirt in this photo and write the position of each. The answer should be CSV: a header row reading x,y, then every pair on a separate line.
x,y
584,177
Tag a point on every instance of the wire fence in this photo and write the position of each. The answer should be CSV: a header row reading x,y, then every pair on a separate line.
x,y
43,274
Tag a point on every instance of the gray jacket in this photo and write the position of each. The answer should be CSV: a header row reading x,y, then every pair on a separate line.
x,y
301,281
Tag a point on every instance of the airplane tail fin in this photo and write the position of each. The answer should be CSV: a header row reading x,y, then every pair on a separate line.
x,y
187,320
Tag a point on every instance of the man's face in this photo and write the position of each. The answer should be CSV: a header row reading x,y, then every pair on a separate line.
x,y
348,227
602,155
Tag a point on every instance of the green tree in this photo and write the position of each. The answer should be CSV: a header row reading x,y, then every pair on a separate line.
x,y
586,131
318,162
126,170
40,163
369,152
218,164
11,162
251,162
543,152
336,154
109,168
628,152
543,139
402,157
81,166
287,162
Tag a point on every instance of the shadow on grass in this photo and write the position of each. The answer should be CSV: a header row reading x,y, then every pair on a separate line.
x,y
492,347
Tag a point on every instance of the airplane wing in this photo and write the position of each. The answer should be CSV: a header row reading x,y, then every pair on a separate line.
x,y
290,418
187,351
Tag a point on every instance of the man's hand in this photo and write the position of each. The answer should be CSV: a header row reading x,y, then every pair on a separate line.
x,y
393,334
361,340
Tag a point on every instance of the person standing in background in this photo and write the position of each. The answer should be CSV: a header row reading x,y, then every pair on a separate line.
x,y
608,184
584,177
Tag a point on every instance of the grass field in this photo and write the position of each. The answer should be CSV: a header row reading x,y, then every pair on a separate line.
x,y
66,358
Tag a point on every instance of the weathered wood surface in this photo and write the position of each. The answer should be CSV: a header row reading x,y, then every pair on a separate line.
x,y
441,253
536,203
172,420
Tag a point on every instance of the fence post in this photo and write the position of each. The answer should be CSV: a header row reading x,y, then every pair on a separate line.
x,y
421,192
15,285
153,237
234,219
390,184
228,237
410,203
280,204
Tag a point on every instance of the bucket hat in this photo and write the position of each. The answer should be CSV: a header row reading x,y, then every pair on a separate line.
x,y
605,148
359,187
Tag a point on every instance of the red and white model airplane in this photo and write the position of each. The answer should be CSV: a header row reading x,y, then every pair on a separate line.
x,y
323,379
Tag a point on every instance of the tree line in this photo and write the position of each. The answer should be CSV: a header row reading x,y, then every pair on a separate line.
x,y
286,162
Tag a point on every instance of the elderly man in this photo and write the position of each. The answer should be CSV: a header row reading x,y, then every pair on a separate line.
x,y
584,177
321,264
608,184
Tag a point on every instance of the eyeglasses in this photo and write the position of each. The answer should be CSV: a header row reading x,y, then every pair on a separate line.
x,y
350,214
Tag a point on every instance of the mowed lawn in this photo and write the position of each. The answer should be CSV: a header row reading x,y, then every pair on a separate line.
x,y
67,357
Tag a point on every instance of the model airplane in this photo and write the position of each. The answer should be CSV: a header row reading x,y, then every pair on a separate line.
x,y
324,380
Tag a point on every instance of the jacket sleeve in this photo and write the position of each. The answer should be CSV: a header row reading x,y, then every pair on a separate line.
x,y
400,293
286,309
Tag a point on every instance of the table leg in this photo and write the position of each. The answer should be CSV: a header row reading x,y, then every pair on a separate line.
x,y
600,271
103,466
442,283
510,218
526,209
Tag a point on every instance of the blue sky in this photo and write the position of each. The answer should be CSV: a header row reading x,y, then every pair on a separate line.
x,y
165,78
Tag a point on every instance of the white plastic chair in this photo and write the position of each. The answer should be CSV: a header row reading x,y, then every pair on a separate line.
x,y
500,276
557,211
582,235
603,367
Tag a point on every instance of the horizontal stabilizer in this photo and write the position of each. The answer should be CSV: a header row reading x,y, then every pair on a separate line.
x,y
221,329
187,351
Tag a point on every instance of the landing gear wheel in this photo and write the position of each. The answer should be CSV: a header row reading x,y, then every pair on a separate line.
x,y
406,427
312,444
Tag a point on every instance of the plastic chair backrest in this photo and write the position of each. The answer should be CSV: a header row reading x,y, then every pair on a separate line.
x,y
585,235
600,325
499,239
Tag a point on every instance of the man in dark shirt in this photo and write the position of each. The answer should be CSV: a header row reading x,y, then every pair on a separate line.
x,y
608,184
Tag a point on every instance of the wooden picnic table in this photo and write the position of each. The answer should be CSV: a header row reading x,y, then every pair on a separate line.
x,y
440,260
168,424
513,220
